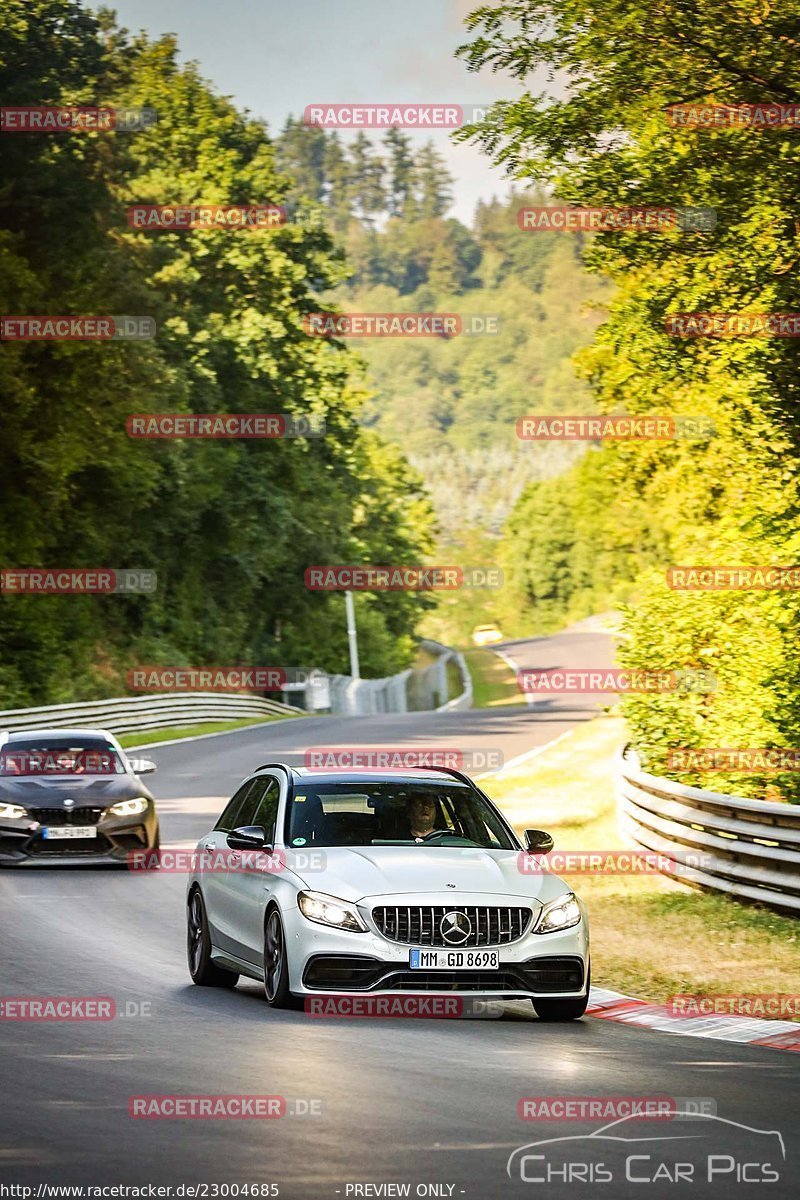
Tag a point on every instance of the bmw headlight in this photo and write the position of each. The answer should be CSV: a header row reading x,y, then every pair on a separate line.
x,y
129,808
327,910
562,913
12,812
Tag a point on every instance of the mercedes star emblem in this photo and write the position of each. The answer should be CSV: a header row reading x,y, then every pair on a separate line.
x,y
456,928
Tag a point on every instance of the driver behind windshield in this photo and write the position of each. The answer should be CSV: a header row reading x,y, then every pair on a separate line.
x,y
421,813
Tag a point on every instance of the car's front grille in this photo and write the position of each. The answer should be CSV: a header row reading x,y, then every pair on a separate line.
x,y
66,816
421,925
554,973
345,973
454,981
340,972
71,847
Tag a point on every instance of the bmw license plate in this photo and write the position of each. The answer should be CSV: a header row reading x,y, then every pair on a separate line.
x,y
69,831
454,960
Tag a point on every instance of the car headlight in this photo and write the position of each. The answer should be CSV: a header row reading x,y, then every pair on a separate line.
x,y
562,913
327,910
12,812
129,808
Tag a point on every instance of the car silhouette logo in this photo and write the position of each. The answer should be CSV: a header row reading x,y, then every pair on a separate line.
x,y
455,928
612,1136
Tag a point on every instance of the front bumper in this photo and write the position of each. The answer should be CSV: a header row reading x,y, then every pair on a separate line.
x,y
330,961
22,842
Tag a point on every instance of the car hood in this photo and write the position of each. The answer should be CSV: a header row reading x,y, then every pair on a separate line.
x,y
352,873
89,791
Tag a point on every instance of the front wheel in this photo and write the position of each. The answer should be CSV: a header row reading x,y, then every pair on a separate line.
x,y
563,1010
276,967
198,949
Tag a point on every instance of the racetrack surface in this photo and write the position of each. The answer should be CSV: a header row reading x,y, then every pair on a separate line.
x,y
402,1101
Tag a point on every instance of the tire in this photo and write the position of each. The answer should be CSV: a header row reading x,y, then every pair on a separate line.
x,y
563,1010
276,966
203,971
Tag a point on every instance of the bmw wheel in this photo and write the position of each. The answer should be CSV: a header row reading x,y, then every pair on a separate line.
x,y
198,947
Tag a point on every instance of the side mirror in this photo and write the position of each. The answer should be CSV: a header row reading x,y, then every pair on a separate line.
x,y
142,766
247,837
538,842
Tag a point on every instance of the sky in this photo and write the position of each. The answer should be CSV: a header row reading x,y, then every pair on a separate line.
x,y
274,58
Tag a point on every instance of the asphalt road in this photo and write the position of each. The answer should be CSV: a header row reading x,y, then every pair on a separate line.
x,y
424,1103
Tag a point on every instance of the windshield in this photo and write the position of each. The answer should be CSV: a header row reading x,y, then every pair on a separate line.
x,y
42,757
385,813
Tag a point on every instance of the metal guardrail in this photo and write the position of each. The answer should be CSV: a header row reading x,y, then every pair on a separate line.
x,y
418,689
132,713
747,848
447,654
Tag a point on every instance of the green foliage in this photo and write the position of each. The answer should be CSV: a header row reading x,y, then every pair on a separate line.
x,y
229,526
733,498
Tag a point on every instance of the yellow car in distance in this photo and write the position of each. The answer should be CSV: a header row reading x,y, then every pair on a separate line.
x,y
486,635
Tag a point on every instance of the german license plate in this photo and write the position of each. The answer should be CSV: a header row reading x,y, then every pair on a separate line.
x,y
453,960
62,832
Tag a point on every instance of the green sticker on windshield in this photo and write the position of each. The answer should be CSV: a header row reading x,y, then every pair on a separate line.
x,y
299,842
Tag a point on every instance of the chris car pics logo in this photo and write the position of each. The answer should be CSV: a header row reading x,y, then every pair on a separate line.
x,y
700,1148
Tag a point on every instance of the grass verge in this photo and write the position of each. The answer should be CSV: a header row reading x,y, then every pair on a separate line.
x,y
651,937
493,681
149,737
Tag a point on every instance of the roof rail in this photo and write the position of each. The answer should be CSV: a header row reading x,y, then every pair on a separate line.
x,y
444,770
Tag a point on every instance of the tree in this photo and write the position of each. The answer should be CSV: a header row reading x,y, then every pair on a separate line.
x,y
369,192
230,526
728,499
339,184
433,181
402,174
300,152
